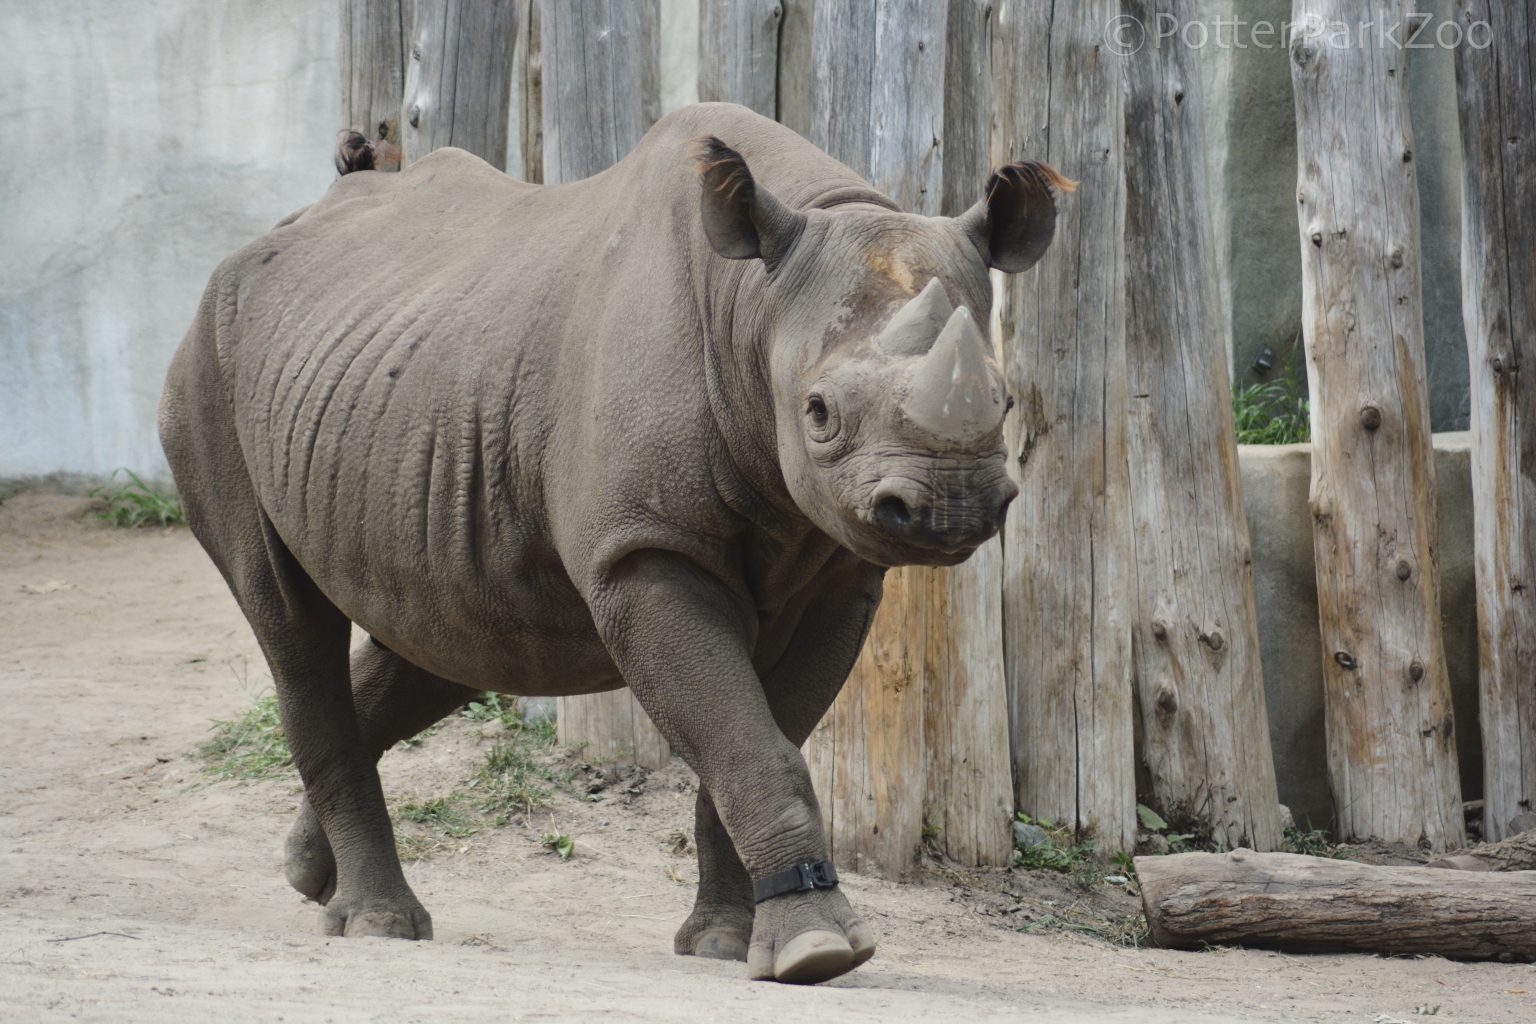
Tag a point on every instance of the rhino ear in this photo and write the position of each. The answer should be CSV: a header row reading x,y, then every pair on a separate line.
x,y
742,219
1014,224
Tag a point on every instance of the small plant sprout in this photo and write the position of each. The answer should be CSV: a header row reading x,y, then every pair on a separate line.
x,y
558,843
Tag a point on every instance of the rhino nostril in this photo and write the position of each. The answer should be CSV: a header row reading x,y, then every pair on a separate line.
x,y
892,515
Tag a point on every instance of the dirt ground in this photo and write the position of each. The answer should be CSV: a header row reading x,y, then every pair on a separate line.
x,y
132,887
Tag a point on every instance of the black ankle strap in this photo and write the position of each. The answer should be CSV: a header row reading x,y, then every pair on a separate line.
x,y
816,874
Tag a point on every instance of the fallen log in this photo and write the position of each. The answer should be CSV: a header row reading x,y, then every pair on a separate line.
x,y
1312,904
1516,853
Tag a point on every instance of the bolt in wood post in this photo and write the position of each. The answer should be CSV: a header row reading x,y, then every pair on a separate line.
x,y
1391,741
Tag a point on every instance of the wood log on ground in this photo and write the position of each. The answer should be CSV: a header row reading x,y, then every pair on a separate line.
x,y
458,79
1313,904
1391,736
1205,727
373,73
1496,87
1068,559
598,64
1512,853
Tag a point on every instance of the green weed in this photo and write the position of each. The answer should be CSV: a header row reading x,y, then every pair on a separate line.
x,y
137,504
558,843
1063,853
1311,842
250,747
1272,412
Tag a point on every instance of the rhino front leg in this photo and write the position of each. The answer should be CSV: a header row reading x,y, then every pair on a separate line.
x,y
800,687
394,700
683,639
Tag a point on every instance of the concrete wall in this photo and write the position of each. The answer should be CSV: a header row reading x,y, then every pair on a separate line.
x,y
1259,138
145,141
1276,480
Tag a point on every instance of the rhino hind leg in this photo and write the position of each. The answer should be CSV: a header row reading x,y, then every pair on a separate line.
x,y
304,638
394,700
720,926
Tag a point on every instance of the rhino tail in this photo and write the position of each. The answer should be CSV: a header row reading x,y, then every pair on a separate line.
x,y
353,152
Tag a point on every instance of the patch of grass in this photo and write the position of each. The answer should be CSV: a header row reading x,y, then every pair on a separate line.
x,y
137,504
515,778
1272,412
1062,853
250,747
422,829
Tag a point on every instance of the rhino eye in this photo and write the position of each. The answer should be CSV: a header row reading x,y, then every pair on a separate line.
x,y
816,408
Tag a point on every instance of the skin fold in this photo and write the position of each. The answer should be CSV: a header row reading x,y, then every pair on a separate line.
x,y
665,427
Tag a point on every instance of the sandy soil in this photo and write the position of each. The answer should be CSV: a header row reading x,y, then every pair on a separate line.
x,y
133,888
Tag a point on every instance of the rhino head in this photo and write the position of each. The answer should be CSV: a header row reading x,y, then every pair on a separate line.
x,y
888,405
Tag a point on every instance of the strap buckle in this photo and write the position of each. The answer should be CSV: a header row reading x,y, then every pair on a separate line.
x,y
816,874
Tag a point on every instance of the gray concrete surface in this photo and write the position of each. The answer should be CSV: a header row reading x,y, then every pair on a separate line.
x,y
144,143
1276,480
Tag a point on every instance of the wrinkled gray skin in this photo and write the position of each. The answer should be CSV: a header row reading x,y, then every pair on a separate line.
x,y
664,426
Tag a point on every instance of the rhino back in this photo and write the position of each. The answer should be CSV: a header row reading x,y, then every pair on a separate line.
x,y
458,395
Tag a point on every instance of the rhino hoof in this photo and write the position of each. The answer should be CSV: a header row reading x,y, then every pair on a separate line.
x,y
413,923
813,957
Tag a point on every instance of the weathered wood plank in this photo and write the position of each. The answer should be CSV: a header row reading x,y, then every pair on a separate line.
x,y
528,90
600,93
1496,87
1312,904
373,42
877,96
794,76
1068,559
611,728
600,82
969,796
458,80
739,53
1205,728
1391,742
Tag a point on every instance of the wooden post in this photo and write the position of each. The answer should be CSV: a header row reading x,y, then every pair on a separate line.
x,y
528,80
877,101
739,53
600,94
965,698
373,72
794,85
1068,560
458,80
1205,728
600,77
1496,86
1391,742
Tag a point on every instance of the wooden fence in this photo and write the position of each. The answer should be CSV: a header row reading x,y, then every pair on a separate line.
x,y
1114,619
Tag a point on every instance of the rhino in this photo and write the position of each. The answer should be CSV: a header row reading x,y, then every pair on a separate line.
x,y
666,427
